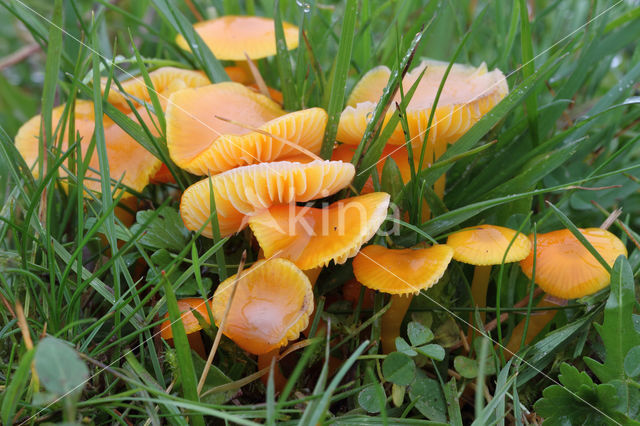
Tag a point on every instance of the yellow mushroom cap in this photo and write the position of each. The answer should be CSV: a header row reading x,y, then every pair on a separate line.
x,y
203,144
189,320
487,244
401,271
164,80
468,94
246,190
271,305
230,37
312,237
127,158
565,268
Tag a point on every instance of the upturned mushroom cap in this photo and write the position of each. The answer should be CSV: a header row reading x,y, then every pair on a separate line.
x,y
127,158
468,94
487,244
401,271
165,81
245,190
230,37
203,144
312,237
271,305
189,320
565,268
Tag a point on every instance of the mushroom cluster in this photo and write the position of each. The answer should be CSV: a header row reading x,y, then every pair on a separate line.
x,y
257,167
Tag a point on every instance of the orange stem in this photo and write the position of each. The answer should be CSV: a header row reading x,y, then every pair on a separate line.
x,y
392,320
264,361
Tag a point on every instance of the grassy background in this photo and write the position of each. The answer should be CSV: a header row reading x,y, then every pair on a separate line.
x,y
571,121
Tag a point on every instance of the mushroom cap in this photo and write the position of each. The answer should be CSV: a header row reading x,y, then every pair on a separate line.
x,y
190,322
487,244
272,305
468,94
203,144
312,237
245,190
165,81
127,158
229,37
401,271
565,268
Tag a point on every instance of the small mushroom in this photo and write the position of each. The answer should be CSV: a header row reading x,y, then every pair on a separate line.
x,y
190,323
565,269
246,190
401,273
202,143
271,306
231,37
312,237
129,161
484,246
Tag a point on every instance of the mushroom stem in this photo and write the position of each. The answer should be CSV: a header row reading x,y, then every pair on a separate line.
x,y
479,287
264,361
196,343
537,322
392,320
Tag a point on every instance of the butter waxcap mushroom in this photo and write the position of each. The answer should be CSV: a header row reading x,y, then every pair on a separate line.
x,y
401,273
488,244
129,162
565,268
271,306
467,95
201,143
243,191
312,237
230,37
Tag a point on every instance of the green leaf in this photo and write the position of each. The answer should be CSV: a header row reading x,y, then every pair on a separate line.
x,y
215,377
432,351
418,333
59,367
399,368
339,77
617,332
632,362
13,392
369,398
291,101
391,180
166,231
427,396
403,347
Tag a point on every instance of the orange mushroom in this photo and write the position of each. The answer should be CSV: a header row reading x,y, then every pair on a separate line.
x,y
467,95
231,37
190,323
565,269
245,190
401,273
128,160
202,143
484,246
312,237
271,306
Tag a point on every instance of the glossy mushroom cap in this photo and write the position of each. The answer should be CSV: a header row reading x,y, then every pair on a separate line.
x,y
271,306
129,161
486,245
245,190
203,144
230,37
164,80
468,94
565,268
189,320
312,237
401,271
